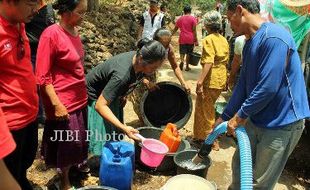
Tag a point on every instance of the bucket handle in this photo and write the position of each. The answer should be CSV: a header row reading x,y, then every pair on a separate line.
x,y
140,136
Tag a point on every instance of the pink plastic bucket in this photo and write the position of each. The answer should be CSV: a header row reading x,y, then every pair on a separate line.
x,y
153,151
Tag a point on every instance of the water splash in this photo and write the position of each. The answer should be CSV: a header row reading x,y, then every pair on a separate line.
x,y
189,165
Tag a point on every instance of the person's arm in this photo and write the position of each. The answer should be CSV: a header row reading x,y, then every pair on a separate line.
x,y
7,181
111,92
236,62
207,60
61,112
205,69
174,30
102,107
176,69
46,52
195,34
151,86
235,66
176,27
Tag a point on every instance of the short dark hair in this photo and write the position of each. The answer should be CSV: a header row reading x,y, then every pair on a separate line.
x,y
152,51
142,42
187,9
65,5
252,6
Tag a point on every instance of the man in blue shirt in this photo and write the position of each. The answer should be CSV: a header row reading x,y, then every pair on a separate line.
x,y
270,97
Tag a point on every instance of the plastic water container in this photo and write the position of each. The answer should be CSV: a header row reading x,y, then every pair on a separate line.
x,y
117,165
169,104
187,181
171,137
194,58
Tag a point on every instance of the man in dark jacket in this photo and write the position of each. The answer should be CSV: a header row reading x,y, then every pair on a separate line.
x,y
40,21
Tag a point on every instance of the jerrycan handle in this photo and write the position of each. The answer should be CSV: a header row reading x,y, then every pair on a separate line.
x,y
173,128
140,136
118,149
109,146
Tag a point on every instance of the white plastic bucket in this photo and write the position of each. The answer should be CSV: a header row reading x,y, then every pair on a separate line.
x,y
187,182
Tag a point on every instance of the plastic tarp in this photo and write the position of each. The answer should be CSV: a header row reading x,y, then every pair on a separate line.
x,y
295,18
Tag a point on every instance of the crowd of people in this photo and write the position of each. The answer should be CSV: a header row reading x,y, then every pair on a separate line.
x,y
42,67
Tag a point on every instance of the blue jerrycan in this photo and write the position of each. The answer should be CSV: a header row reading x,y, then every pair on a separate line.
x,y
117,165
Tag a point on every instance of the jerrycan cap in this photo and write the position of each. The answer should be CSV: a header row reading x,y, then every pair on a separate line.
x,y
116,158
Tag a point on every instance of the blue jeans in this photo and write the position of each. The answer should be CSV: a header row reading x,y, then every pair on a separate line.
x,y
270,151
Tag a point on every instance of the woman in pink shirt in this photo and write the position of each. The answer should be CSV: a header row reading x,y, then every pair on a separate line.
x,y
60,74
188,35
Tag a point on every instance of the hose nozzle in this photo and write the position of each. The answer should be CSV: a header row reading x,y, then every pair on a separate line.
x,y
202,153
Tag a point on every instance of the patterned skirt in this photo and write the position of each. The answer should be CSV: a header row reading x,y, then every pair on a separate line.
x,y
64,142
204,117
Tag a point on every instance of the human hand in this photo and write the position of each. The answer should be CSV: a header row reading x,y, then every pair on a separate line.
x,y
199,89
233,123
186,87
231,81
151,86
61,112
218,121
130,132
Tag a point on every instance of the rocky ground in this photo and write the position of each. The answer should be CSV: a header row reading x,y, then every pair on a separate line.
x,y
112,30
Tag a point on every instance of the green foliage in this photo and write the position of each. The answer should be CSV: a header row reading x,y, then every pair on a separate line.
x,y
206,5
108,1
175,7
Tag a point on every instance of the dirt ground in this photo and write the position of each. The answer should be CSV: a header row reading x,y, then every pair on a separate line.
x,y
219,171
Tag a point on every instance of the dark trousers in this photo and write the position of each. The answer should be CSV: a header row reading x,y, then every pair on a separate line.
x,y
41,115
22,157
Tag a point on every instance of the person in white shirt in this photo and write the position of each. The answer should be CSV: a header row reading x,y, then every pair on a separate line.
x,y
150,21
237,61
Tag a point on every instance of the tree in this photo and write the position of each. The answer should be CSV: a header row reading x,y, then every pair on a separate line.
x,y
176,6
93,5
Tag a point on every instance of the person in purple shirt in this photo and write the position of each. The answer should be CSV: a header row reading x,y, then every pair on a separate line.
x,y
270,97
